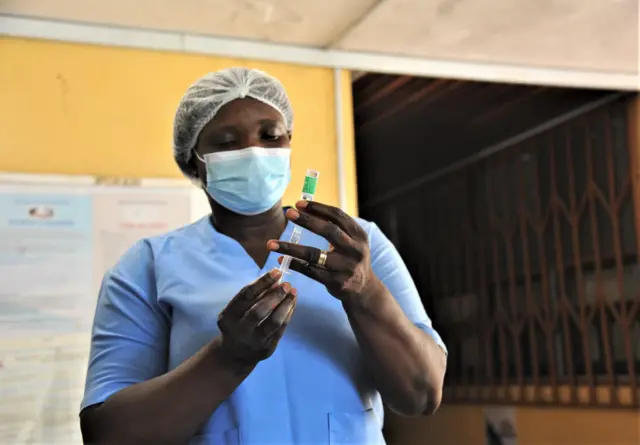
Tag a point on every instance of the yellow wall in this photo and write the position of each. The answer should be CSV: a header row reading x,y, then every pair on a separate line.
x,y
82,109
348,143
464,425
451,425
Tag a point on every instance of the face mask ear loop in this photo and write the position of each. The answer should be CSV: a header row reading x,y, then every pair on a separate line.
x,y
201,159
203,184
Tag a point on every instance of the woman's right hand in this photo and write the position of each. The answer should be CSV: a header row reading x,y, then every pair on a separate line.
x,y
253,322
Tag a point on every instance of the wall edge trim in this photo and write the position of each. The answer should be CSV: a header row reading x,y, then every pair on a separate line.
x,y
23,27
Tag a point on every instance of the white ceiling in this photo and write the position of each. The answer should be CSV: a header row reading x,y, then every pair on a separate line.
x,y
589,35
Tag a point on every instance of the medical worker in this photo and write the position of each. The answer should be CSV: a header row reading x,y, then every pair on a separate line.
x,y
196,341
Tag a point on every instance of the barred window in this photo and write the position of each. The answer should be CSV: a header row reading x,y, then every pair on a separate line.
x,y
528,263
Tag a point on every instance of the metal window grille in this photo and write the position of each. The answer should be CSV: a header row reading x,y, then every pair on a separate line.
x,y
529,263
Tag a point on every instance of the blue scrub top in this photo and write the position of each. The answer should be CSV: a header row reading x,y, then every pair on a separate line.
x,y
159,305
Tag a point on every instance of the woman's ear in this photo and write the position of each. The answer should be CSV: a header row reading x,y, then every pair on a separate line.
x,y
290,136
195,165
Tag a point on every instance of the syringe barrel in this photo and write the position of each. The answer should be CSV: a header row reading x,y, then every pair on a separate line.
x,y
284,267
296,235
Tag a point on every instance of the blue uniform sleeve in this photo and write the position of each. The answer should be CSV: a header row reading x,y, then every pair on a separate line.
x,y
391,270
129,338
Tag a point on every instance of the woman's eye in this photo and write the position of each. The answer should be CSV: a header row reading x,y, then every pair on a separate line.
x,y
271,134
225,143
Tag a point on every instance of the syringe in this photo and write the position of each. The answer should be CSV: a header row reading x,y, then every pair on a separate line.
x,y
308,192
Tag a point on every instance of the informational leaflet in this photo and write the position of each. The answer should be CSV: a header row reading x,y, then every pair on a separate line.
x,y
45,314
122,217
56,243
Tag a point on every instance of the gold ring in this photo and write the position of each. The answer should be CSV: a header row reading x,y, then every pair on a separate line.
x,y
322,259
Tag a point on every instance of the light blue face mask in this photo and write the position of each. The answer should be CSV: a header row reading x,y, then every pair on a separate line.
x,y
248,181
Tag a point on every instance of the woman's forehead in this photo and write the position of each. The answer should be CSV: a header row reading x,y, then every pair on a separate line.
x,y
245,112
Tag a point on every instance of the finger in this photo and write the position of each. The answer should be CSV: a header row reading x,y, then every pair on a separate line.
x,y
250,293
280,317
277,335
328,230
334,261
318,274
334,215
257,313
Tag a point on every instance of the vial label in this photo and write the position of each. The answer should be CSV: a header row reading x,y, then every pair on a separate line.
x,y
309,187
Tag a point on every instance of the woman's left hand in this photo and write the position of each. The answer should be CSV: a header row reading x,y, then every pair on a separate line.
x,y
345,269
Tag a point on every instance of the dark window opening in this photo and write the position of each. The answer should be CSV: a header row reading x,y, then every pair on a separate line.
x,y
526,259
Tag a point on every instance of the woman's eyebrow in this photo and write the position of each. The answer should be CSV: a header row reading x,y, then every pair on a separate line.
x,y
271,122
222,129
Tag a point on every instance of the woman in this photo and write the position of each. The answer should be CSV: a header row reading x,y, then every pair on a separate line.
x,y
195,340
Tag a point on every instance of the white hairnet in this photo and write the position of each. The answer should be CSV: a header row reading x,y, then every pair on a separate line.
x,y
208,94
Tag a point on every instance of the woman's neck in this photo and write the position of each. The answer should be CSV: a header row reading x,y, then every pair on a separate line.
x,y
242,228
